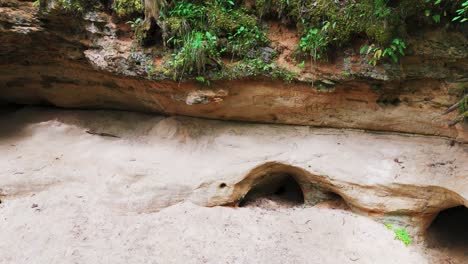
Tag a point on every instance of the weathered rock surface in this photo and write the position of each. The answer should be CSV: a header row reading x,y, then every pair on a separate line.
x,y
92,62
372,172
101,181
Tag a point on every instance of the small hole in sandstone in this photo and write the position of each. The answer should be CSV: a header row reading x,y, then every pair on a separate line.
x,y
222,185
9,108
274,191
333,201
449,231
396,101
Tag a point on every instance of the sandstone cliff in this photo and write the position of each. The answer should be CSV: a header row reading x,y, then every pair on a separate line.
x,y
95,61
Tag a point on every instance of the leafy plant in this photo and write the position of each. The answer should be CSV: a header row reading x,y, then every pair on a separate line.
x,y
435,15
72,6
301,65
462,13
401,234
127,7
193,57
200,32
150,70
257,67
441,7
135,23
189,11
203,80
381,9
316,40
396,49
244,39
463,108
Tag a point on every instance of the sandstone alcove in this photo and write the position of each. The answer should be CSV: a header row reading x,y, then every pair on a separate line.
x,y
274,190
6,108
449,231
331,200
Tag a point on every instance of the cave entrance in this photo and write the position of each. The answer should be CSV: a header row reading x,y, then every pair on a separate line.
x,y
6,108
331,200
449,232
274,191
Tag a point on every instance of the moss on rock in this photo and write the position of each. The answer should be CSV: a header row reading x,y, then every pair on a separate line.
x,y
128,7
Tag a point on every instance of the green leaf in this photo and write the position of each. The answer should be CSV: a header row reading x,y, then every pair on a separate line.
x,y
400,234
386,51
363,49
401,50
378,54
301,65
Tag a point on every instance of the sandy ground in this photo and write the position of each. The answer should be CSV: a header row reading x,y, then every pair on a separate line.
x,y
66,228
73,193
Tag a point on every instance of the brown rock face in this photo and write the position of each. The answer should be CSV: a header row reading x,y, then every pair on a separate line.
x,y
91,62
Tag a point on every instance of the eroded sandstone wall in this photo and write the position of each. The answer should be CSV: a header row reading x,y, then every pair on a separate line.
x,y
92,62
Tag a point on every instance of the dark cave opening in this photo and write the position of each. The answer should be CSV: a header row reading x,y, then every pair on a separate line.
x,y
278,190
6,108
450,230
332,200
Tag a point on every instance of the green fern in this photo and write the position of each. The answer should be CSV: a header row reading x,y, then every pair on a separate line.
x,y
401,234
